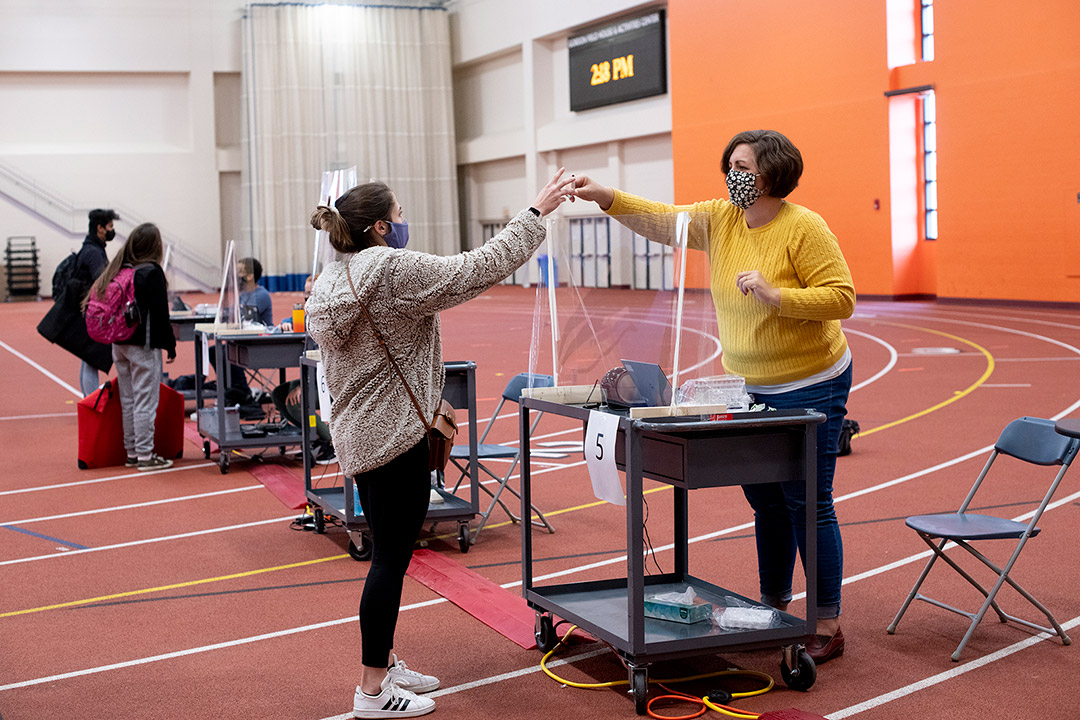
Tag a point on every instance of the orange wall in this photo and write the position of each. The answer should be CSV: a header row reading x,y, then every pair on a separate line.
x,y
1007,80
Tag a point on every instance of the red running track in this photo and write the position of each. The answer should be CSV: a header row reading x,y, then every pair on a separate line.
x,y
184,594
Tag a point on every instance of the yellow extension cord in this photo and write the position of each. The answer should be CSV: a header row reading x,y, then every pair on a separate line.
x,y
705,700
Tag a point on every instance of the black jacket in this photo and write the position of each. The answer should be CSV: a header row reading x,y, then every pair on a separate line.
x,y
152,297
64,324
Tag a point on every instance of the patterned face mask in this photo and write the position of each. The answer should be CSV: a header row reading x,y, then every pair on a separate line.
x,y
741,188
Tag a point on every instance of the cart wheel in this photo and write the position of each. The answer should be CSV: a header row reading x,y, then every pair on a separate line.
x,y
639,686
463,537
320,521
206,449
803,677
546,639
223,462
363,552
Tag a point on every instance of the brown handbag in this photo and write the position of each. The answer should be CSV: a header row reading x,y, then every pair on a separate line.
x,y
442,429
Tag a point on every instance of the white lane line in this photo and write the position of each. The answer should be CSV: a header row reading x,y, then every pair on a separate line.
x,y
888,366
941,677
147,473
948,546
43,371
147,541
37,417
428,603
1005,385
531,670
132,506
507,585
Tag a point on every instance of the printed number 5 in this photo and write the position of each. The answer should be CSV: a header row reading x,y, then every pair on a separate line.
x,y
599,447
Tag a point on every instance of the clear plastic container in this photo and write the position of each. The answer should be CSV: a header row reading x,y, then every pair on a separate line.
x,y
727,390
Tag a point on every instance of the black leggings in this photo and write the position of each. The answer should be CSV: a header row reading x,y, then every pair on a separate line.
x,y
394,498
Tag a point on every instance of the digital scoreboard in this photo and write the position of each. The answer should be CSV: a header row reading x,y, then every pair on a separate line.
x,y
624,60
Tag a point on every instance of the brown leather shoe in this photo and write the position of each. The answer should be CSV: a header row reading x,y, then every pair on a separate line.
x,y
823,648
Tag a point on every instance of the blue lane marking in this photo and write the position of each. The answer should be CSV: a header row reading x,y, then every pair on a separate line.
x,y
77,546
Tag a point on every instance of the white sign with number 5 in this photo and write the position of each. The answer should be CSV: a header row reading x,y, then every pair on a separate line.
x,y
600,457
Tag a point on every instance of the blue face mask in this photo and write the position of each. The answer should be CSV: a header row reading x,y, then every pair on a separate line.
x,y
398,237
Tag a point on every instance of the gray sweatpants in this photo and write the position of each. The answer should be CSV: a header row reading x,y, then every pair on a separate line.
x,y
138,374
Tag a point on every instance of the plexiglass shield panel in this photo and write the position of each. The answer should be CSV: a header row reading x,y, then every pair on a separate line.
x,y
605,343
335,183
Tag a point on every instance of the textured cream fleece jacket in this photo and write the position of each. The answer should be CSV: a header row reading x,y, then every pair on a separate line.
x,y
372,419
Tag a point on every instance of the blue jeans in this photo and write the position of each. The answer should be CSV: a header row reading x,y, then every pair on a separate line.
x,y
780,508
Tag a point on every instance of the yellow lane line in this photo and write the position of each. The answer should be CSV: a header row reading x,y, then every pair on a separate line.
x,y
986,374
966,391
131,593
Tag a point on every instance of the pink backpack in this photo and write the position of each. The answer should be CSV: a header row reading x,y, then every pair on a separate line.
x,y
113,318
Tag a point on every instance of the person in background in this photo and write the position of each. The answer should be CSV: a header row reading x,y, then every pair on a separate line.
x,y
64,323
781,287
138,359
286,397
255,305
252,294
380,287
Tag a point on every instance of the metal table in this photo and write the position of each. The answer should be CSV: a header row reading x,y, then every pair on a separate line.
x,y
340,501
183,327
220,424
688,453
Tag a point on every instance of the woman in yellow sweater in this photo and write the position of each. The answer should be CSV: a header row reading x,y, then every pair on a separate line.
x,y
781,286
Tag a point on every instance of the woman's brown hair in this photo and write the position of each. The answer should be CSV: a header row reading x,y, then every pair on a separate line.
x,y
778,160
143,246
356,212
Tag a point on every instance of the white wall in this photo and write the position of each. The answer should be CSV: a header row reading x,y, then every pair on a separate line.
x,y
121,103
513,119
136,104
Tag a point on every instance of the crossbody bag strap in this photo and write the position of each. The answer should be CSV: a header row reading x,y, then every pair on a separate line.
x,y
382,343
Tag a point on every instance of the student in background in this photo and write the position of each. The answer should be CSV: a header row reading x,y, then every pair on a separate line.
x,y
64,323
286,397
252,294
255,305
138,359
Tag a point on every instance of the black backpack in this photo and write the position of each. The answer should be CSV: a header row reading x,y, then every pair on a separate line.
x,y
63,274
848,430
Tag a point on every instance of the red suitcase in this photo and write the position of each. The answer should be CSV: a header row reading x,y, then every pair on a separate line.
x,y
101,429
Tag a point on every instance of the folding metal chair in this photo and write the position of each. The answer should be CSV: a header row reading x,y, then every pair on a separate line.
x,y
1032,440
459,456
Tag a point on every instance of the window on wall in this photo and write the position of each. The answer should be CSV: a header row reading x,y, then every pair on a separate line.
x,y
926,22
929,143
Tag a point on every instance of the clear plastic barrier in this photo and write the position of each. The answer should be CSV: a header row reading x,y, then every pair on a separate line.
x,y
228,307
335,183
602,342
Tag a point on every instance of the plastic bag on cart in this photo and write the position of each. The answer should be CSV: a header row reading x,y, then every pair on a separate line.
x,y
738,614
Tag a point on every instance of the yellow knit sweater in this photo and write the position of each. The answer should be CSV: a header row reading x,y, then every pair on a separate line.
x,y
795,252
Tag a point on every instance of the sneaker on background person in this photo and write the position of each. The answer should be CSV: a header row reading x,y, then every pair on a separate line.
x,y
392,701
324,453
154,462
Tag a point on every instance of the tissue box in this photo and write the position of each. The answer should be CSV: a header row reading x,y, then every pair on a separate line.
x,y
678,612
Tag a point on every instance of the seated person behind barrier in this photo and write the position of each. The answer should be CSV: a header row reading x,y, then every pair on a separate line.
x,y
255,305
286,397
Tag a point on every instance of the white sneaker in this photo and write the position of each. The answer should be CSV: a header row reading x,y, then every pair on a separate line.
x,y
393,701
411,680
435,498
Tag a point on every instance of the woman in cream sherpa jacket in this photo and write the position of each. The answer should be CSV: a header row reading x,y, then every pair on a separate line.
x,y
378,435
